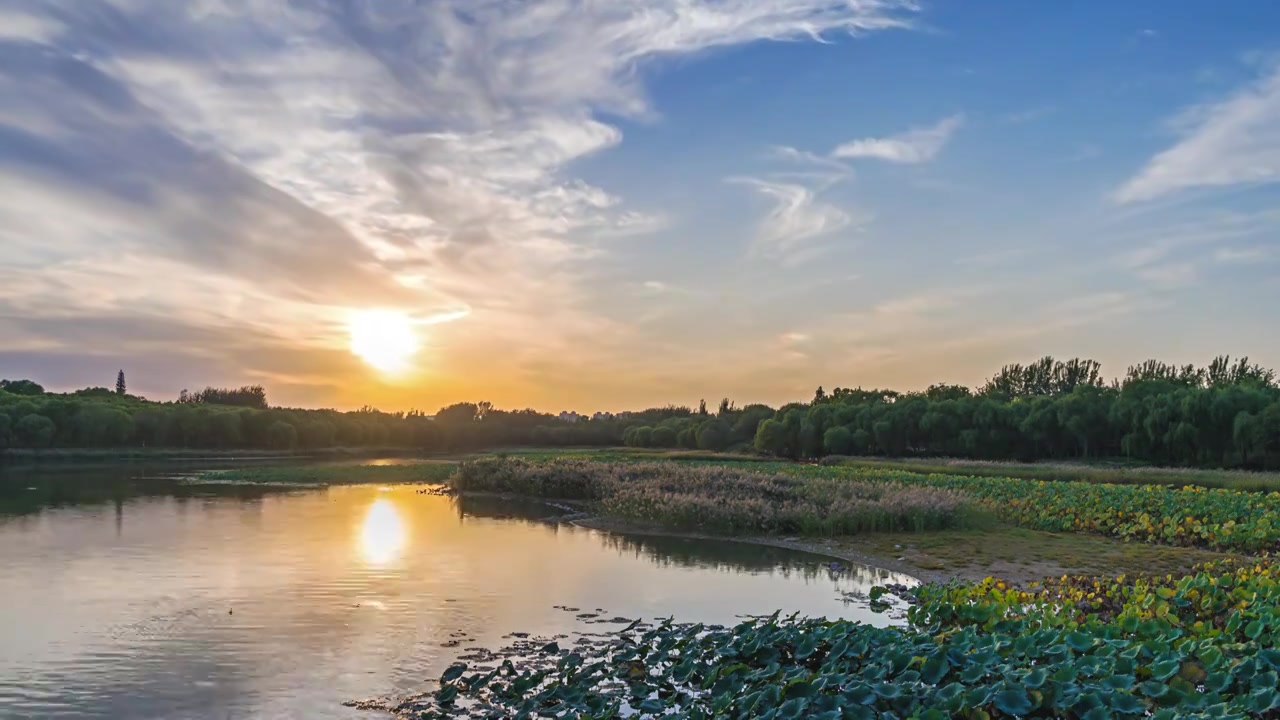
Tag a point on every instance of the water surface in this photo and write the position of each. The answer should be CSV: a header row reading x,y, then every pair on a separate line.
x,y
124,595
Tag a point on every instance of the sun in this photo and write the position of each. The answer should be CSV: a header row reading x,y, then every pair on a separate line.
x,y
385,339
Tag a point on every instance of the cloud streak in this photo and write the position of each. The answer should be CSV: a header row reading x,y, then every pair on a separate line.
x,y
918,145
1232,142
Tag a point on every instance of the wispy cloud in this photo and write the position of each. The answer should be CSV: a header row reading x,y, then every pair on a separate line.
x,y
798,217
1170,275
804,157
917,145
1232,142
1242,255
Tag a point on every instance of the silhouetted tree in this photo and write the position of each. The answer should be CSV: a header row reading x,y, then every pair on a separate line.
x,y
120,386
21,387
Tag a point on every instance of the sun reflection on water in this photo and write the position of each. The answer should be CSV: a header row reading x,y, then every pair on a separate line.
x,y
382,534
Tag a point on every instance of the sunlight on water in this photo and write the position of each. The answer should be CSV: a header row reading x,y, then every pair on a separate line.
x,y
382,534
240,604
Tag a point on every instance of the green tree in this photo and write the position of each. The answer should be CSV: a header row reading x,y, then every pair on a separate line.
x,y
687,438
771,438
120,385
282,435
713,435
838,441
99,425
643,436
226,430
1247,433
21,387
664,437
34,431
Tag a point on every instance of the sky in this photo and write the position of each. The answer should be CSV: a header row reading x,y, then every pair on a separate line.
x,y
596,205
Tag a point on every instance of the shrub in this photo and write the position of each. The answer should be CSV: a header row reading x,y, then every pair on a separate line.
x,y
664,437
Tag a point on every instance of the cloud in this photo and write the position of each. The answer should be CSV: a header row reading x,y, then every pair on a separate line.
x,y
1232,142
25,26
797,218
1242,255
1169,275
918,145
1168,250
804,157
1026,116
279,162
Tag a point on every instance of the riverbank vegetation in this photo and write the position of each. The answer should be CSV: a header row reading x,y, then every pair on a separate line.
x,y
1216,519
1201,645
1188,516
1226,414
731,500
1116,473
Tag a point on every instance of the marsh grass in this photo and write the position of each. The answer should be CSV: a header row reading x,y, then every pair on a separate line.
x,y
725,499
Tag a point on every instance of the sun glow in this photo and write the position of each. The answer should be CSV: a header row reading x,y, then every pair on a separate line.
x,y
382,534
385,339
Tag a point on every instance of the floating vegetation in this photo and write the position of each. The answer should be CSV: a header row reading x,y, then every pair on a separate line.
x,y
1116,474
724,499
1190,516
1202,645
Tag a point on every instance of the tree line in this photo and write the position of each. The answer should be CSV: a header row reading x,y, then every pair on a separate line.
x,y
1224,414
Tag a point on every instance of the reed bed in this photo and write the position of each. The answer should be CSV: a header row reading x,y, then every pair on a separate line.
x,y
725,499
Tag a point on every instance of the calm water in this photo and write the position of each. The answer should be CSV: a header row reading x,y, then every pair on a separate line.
x,y
123,595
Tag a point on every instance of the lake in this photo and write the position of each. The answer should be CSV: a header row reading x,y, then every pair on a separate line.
x,y
127,594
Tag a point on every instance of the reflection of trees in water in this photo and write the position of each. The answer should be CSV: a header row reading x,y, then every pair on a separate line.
x,y
493,507
29,489
740,557
669,551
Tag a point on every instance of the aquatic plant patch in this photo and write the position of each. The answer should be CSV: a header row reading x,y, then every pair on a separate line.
x,y
1231,601
1218,519
806,668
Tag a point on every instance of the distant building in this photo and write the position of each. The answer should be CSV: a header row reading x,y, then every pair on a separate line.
x,y
570,417
602,416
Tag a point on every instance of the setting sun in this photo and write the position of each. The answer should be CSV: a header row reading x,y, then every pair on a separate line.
x,y
384,339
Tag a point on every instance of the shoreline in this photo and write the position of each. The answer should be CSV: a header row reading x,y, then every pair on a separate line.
x,y
1034,555
579,517
923,575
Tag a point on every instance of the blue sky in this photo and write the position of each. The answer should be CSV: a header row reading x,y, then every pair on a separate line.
x,y
610,205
